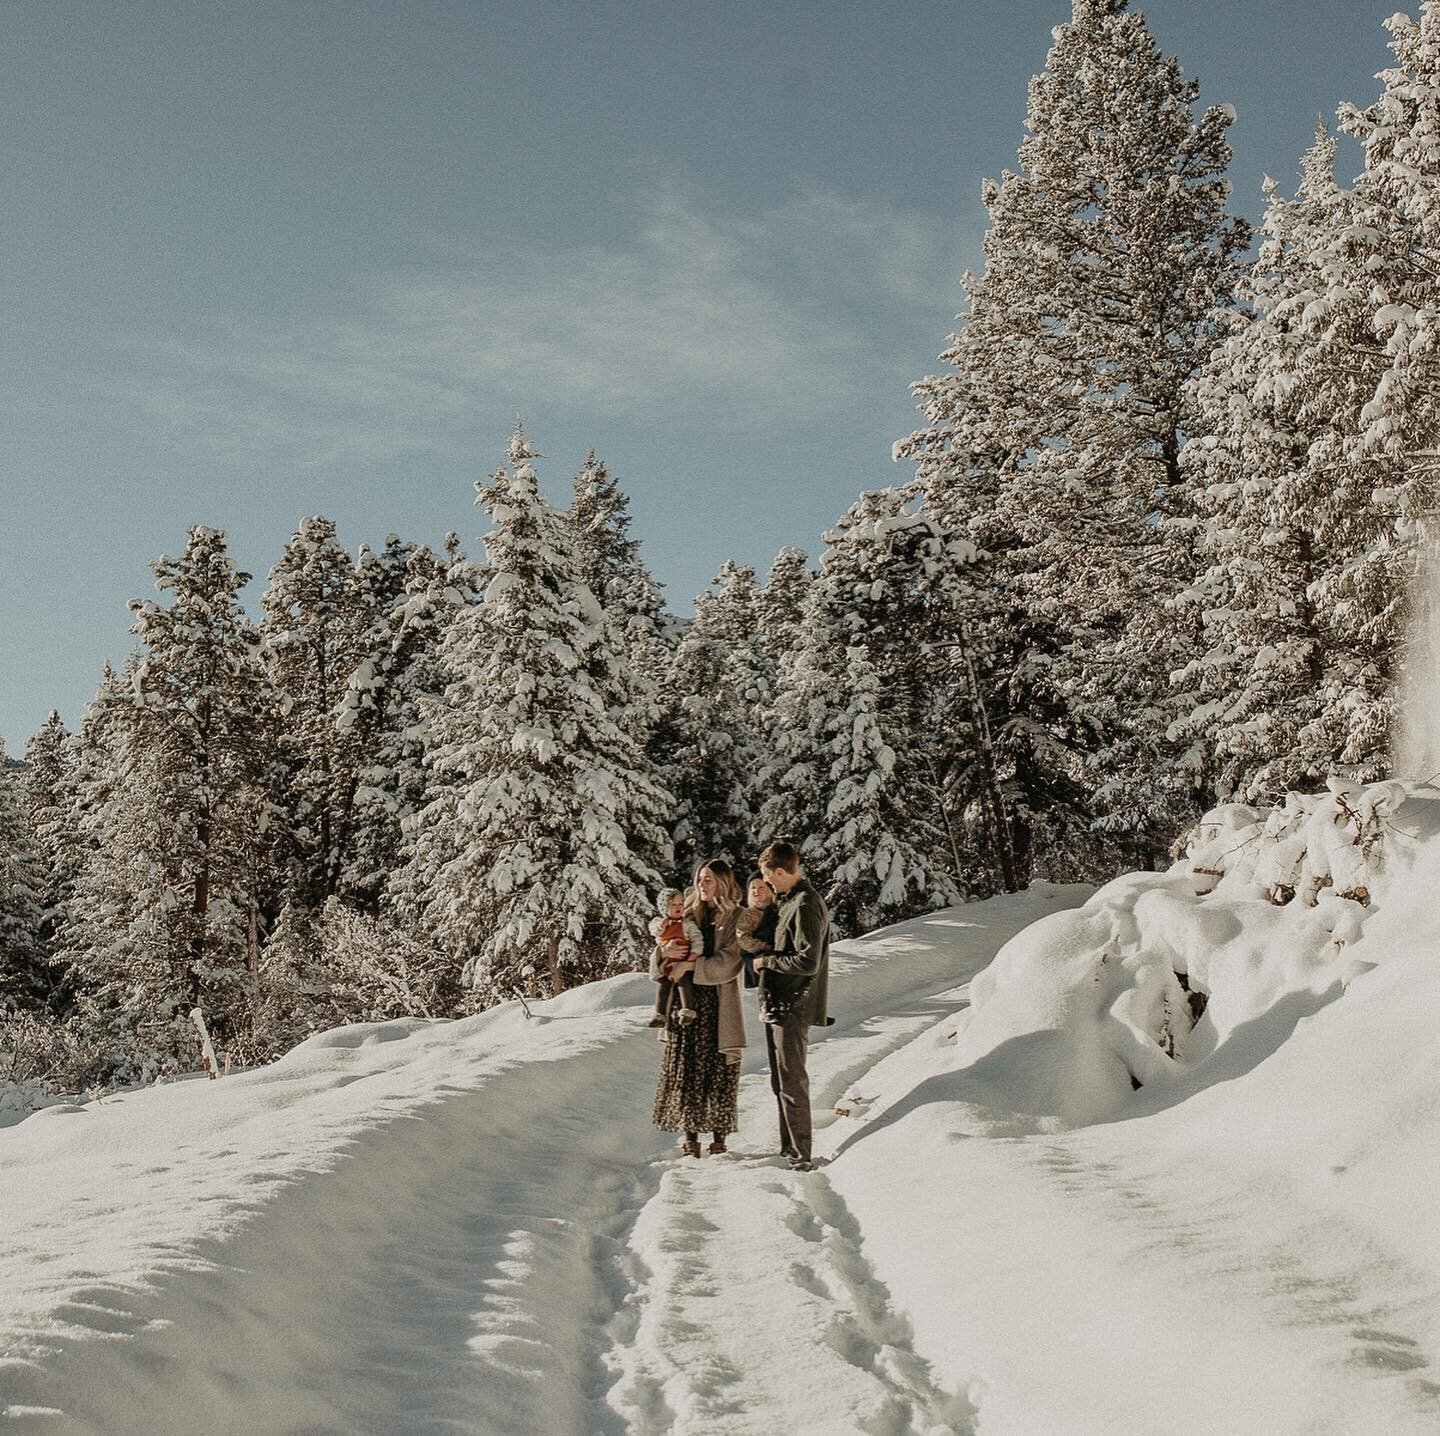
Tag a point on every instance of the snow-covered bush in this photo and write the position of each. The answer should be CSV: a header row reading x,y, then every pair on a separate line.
x,y
42,1061
339,966
1254,927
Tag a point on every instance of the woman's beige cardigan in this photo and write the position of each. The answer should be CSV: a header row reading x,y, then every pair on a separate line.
x,y
722,972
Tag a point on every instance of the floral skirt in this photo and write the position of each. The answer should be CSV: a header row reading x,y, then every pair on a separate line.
x,y
698,1088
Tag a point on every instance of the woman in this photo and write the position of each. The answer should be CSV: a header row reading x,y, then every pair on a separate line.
x,y
700,1072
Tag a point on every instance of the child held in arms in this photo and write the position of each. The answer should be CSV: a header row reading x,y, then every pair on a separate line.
x,y
673,926
756,931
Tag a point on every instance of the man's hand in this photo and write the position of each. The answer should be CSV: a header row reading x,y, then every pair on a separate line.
x,y
757,962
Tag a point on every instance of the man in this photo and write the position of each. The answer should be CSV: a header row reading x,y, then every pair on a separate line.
x,y
801,959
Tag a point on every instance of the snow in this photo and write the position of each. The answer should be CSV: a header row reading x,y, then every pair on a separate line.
x,y
416,1226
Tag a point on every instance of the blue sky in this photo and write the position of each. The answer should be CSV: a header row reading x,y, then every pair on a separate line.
x,y
264,260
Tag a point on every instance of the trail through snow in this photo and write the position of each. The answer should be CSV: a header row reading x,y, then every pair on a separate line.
x,y
472,1227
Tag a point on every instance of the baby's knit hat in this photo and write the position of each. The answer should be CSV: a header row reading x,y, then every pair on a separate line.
x,y
667,896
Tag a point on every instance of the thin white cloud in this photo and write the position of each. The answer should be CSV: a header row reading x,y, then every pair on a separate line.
x,y
761,321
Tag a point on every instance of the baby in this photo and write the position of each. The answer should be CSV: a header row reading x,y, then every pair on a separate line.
x,y
673,926
756,931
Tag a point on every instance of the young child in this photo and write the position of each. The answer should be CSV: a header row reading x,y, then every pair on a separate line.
x,y
673,926
756,931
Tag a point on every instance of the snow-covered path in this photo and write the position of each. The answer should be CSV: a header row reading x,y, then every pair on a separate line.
x,y
472,1227
449,1227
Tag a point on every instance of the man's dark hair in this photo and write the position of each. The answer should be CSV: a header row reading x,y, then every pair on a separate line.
x,y
781,854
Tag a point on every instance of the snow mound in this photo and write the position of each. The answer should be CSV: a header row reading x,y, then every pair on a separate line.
x,y
364,1034
1262,922
19,1099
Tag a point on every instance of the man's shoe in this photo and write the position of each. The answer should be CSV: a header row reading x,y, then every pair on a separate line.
x,y
801,1164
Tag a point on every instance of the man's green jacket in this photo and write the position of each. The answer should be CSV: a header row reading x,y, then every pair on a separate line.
x,y
802,949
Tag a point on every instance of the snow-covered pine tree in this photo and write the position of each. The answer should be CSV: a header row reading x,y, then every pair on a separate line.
x,y
316,618
1320,446
165,911
46,794
880,860
1288,380
208,712
868,677
609,560
1384,510
835,789
795,778
780,605
610,566
94,913
25,978
527,865
387,709
1053,442
720,692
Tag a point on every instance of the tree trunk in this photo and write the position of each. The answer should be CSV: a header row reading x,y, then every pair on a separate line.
x,y
557,978
200,905
993,800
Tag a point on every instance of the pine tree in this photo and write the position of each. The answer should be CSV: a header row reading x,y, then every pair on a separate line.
x,y
24,975
866,684
165,910
387,711
780,606
721,688
878,871
1263,686
527,857
1053,443
609,559
1318,438
1385,489
610,566
46,794
316,617
94,910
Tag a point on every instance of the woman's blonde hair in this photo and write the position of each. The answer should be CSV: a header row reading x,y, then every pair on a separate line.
x,y
727,890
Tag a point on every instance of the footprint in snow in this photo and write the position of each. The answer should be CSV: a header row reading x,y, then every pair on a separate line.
x,y
806,1279
800,1221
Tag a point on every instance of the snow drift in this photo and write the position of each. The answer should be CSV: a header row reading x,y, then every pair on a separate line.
x,y
1264,921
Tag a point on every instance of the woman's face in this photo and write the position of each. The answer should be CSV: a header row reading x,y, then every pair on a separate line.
x,y
707,885
760,894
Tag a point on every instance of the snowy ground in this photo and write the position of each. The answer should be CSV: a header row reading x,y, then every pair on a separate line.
x,y
472,1227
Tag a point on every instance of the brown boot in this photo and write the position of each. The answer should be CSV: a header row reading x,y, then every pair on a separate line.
x,y
717,1147
689,1149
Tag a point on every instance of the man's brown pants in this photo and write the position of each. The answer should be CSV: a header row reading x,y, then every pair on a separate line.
x,y
787,1044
